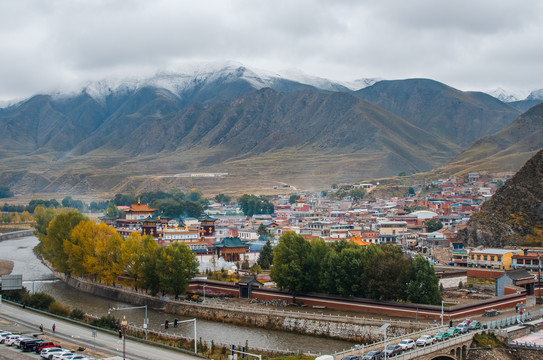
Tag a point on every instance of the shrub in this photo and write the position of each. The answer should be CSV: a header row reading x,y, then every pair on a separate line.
x,y
108,322
59,309
40,300
77,314
460,285
14,295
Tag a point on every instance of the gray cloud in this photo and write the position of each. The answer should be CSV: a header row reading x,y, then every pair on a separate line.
x,y
60,44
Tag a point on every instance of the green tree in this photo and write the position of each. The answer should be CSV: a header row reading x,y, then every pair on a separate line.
x,y
265,259
223,199
318,251
194,195
334,186
149,279
176,265
424,285
293,198
252,204
262,230
357,193
289,262
68,202
433,225
112,210
411,191
403,173
5,192
43,217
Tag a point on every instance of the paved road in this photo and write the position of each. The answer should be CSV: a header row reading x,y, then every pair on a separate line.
x,y
82,336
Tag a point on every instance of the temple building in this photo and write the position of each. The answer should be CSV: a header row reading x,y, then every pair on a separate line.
x,y
231,249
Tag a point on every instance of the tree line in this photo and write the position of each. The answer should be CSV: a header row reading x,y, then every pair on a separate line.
x,y
75,245
380,272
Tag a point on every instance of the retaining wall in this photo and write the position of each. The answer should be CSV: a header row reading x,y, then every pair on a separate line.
x,y
296,322
16,234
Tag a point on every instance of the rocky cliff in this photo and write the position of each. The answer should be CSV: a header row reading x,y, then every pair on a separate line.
x,y
514,215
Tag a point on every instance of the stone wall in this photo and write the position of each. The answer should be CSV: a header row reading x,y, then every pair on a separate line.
x,y
16,234
251,317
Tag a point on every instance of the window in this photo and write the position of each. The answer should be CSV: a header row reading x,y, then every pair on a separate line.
x,y
478,257
485,257
492,258
520,261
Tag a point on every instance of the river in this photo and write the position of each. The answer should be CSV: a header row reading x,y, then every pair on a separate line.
x,y
39,278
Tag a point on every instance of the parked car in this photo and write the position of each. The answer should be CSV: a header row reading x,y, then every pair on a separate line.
x,y
407,344
45,345
392,350
462,328
425,340
4,335
29,344
10,339
452,331
350,357
17,343
442,335
60,354
373,355
47,351
474,325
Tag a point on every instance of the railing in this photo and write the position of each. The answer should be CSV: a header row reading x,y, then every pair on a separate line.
x,y
525,345
380,345
509,321
416,353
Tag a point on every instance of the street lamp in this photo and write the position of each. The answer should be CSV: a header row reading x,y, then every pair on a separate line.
x,y
384,328
123,326
145,321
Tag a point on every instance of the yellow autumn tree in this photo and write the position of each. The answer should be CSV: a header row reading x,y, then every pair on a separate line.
x,y
133,254
101,250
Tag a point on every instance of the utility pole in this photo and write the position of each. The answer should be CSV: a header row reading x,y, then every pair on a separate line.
x,y
539,276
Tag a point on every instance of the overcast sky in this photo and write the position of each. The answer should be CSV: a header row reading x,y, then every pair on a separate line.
x,y
55,45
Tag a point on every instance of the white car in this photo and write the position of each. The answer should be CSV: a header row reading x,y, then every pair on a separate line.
x,y
51,350
462,328
407,344
4,335
11,339
425,340
60,355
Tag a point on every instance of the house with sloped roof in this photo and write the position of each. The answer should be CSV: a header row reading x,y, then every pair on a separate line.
x,y
519,278
231,249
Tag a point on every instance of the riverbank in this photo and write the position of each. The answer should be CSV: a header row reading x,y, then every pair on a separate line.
x,y
343,327
6,267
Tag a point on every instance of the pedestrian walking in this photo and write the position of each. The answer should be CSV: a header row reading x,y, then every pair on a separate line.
x,y
41,327
54,327
450,323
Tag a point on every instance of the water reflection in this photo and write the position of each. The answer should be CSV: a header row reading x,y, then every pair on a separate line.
x,y
40,278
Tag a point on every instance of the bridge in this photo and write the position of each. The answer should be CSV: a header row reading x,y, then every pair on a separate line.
x,y
455,348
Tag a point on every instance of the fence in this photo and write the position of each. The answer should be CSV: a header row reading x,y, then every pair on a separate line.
x,y
509,321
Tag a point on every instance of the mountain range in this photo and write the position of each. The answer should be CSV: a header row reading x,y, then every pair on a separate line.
x,y
262,129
